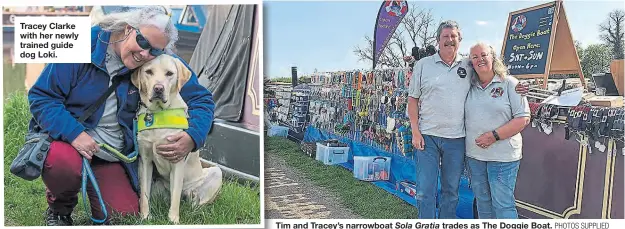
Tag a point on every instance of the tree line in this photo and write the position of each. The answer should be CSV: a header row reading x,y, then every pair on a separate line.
x,y
418,29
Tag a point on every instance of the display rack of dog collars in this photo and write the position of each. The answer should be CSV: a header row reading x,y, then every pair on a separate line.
x,y
298,115
370,107
364,106
601,127
281,109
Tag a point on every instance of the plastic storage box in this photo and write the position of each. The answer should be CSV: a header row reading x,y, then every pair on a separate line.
x,y
280,131
372,168
407,187
331,155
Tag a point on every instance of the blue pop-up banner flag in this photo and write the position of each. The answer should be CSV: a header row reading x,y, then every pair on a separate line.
x,y
389,16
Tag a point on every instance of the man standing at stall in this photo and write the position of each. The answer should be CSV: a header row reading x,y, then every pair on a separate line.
x,y
438,89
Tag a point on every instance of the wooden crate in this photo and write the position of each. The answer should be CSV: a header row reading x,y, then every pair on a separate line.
x,y
606,101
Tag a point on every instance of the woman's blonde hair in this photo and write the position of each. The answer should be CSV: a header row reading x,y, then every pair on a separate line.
x,y
499,68
157,16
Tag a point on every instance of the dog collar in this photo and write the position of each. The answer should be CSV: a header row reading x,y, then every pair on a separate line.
x,y
172,118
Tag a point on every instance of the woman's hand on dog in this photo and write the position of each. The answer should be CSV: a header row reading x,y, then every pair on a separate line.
x,y
85,145
181,145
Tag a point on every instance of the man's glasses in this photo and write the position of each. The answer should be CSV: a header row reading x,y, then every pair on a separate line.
x,y
145,44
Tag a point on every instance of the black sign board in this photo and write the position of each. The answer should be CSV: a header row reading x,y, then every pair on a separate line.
x,y
528,40
538,42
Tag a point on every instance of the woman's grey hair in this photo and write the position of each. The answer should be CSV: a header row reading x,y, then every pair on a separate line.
x,y
499,68
157,16
448,24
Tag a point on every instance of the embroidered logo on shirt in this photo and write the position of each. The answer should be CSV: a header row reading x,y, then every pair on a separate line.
x,y
131,91
496,92
462,72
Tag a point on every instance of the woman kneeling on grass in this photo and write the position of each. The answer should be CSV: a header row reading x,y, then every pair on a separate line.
x,y
494,116
120,43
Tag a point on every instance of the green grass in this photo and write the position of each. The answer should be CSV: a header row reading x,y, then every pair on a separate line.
x,y
362,198
24,201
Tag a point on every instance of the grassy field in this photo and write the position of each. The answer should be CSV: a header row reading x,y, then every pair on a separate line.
x,y
363,198
25,203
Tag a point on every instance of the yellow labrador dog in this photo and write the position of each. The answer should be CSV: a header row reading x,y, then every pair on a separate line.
x,y
162,113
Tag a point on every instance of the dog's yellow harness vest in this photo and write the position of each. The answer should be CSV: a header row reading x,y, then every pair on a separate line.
x,y
172,118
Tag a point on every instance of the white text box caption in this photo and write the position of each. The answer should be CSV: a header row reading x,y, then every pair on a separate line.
x,y
52,39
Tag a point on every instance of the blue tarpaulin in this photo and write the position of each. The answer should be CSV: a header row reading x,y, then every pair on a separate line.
x,y
402,168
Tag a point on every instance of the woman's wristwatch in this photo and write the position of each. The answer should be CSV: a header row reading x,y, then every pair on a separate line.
x,y
496,135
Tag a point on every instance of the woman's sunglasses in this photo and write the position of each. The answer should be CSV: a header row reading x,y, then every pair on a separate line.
x,y
145,44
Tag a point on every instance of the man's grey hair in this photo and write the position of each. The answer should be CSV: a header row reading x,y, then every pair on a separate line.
x,y
448,24
157,16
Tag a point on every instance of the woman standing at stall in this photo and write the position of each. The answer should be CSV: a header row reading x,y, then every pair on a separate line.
x,y
494,117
